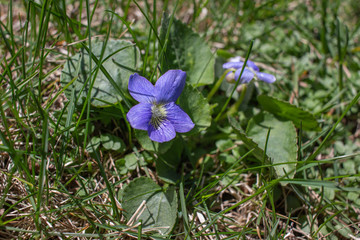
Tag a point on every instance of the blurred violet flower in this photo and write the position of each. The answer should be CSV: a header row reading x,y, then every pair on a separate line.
x,y
157,112
250,71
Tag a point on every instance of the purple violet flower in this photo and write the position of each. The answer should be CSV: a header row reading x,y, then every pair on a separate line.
x,y
157,111
250,71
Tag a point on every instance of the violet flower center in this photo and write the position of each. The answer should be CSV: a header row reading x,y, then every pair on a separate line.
x,y
158,115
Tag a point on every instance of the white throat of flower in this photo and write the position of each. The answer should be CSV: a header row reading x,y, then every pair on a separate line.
x,y
159,114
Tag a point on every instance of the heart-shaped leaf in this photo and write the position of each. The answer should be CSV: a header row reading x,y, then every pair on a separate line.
x,y
120,59
160,206
143,138
197,107
281,145
167,164
249,143
189,52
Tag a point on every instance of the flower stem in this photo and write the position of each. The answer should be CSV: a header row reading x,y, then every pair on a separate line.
x,y
217,85
237,82
238,102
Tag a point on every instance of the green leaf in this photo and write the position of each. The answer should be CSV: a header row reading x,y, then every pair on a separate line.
x,y
227,159
197,107
93,145
111,142
290,112
189,52
249,143
224,145
281,145
131,161
147,144
121,60
167,163
120,165
160,211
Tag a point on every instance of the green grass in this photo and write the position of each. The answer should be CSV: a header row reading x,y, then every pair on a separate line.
x,y
59,180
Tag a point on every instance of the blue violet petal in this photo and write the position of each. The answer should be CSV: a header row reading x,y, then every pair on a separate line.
x,y
179,119
169,86
141,89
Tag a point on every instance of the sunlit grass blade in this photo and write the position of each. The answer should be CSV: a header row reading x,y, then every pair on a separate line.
x,y
354,101
183,209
